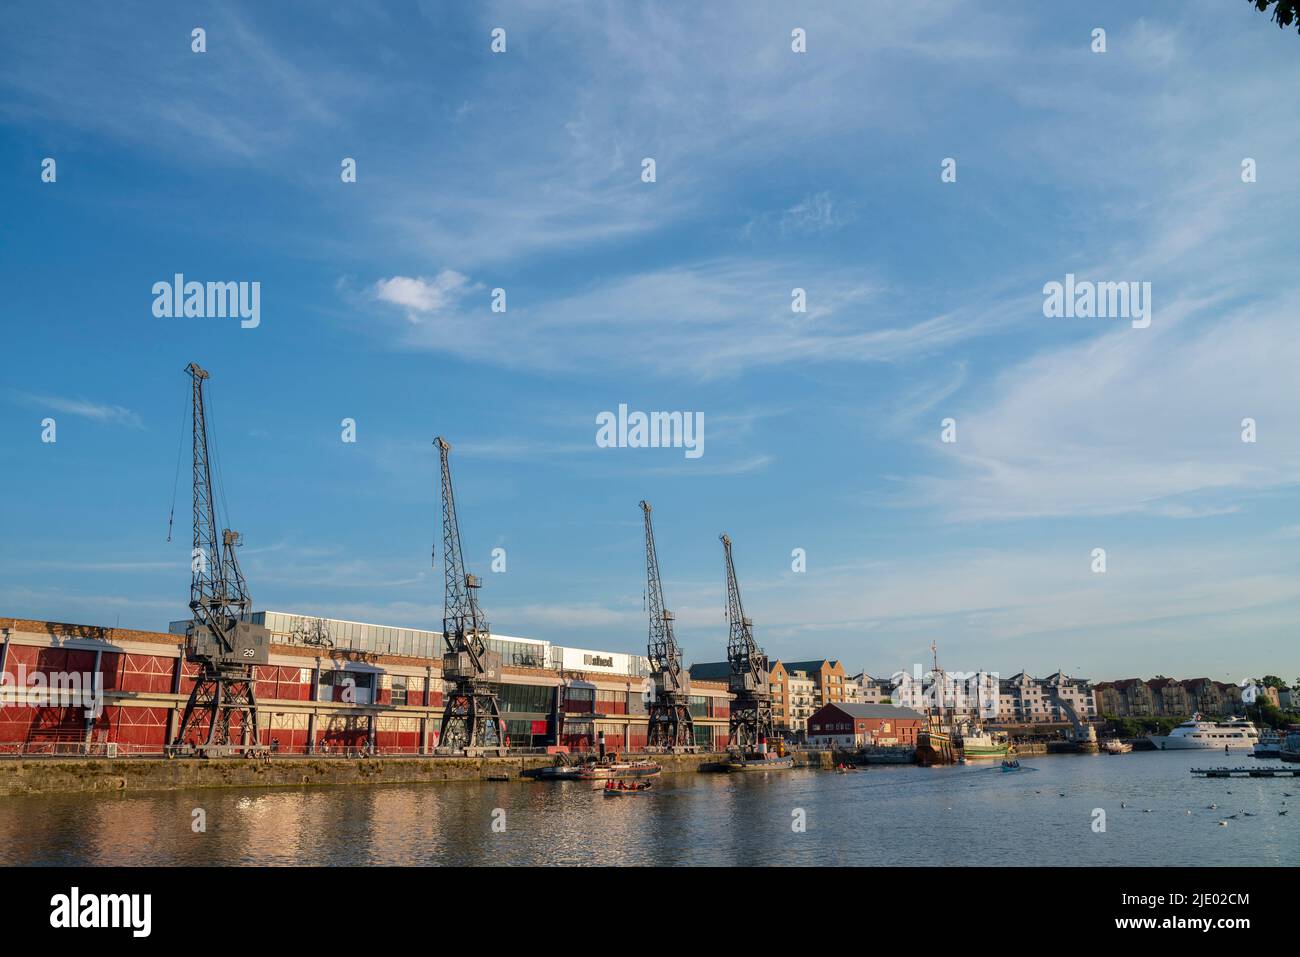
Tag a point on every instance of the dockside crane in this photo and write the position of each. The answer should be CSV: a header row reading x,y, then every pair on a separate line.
x,y
670,724
751,709
471,718
220,717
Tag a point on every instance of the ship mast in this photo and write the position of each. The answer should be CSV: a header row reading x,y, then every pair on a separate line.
x,y
938,680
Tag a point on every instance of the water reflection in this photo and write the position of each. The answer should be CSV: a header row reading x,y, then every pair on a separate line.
x,y
888,815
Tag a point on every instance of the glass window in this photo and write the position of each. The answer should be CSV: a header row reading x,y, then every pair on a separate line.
x,y
534,699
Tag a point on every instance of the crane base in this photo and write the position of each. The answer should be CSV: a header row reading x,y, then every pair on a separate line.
x,y
206,729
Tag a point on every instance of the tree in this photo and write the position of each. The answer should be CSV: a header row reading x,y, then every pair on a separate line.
x,y
1269,714
1285,12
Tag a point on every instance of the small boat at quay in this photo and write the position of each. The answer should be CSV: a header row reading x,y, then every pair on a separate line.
x,y
597,769
981,744
757,761
605,770
1116,746
1269,746
1290,748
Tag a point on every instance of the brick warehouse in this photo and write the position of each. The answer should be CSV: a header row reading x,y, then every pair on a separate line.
x,y
395,701
864,725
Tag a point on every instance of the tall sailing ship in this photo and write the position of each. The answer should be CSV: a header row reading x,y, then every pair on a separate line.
x,y
934,743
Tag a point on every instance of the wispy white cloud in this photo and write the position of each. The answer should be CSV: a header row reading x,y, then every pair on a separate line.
x,y
542,618
712,320
130,75
82,408
79,606
812,214
1036,607
1133,420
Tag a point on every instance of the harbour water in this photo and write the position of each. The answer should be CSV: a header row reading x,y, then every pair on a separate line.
x,y
973,814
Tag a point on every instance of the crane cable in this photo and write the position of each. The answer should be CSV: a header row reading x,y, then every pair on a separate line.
x,y
176,478
214,468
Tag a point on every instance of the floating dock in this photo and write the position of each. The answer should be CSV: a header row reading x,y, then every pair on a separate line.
x,y
1247,772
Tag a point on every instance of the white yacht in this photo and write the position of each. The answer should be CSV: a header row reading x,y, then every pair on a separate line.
x,y
1236,734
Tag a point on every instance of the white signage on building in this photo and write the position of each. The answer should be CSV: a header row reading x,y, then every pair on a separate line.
x,y
601,662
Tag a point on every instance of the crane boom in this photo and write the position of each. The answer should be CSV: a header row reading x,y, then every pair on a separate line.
x,y
751,710
463,624
471,719
670,725
219,638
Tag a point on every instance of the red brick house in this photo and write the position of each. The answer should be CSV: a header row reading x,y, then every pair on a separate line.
x,y
863,725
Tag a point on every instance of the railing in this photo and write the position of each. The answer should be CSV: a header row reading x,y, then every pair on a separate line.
x,y
95,749
116,750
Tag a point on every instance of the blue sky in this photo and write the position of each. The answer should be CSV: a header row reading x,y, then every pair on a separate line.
x,y
775,170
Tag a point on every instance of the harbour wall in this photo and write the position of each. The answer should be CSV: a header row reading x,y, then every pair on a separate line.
x,y
109,776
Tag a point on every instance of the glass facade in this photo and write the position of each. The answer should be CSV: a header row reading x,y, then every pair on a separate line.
x,y
351,635
333,634
520,654
579,700
385,640
354,686
399,689
528,699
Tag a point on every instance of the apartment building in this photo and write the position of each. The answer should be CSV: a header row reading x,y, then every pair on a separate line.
x,y
960,695
801,687
1023,699
1167,697
864,689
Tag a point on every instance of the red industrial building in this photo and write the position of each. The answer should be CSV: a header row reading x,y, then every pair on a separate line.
x,y
309,699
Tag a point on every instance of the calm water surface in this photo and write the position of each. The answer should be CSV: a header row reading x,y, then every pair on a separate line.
x,y
887,815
